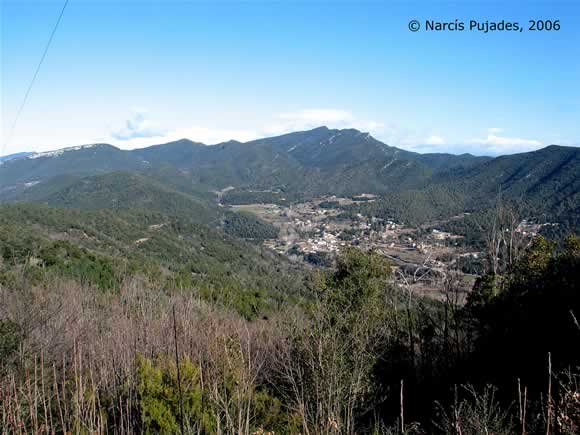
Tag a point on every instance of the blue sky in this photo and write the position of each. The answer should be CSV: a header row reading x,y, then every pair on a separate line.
x,y
135,73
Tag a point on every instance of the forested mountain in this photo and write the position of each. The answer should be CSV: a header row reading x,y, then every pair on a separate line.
x,y
81,160
103,247
298,165
442,162
161,191
319,161
549,174
544,182
124,190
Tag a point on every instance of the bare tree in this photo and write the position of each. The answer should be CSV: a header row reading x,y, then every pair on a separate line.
x,y
505,240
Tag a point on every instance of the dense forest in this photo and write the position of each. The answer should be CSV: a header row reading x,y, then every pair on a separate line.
x,y
104,248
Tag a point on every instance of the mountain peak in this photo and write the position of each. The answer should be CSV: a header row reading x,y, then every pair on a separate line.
x,y
183,141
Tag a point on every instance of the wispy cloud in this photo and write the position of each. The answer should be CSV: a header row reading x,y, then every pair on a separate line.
x,y
418,142
310,118
140,131
496,143
206,135
435,140
137,126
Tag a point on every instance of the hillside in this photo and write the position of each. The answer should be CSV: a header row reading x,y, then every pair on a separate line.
x,y
105,247
544,173
123,190
81,160
148,191
442,162
546,181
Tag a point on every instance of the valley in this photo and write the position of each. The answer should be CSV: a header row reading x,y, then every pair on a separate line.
x,y
309,195
425,258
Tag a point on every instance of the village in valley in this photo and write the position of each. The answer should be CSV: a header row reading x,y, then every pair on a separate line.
x,y
426,259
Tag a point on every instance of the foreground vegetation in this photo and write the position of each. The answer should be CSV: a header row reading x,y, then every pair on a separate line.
x,y
353,354
104,248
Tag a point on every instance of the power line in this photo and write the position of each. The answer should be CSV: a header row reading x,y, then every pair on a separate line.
x,y
34,76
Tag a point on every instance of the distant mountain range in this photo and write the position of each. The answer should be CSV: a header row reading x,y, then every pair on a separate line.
x,y
319,160
295,165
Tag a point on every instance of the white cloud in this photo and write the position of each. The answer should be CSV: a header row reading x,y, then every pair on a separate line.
x,y
369,125
420,140
137,126
204,135
139,131
496,144
435,140
416,141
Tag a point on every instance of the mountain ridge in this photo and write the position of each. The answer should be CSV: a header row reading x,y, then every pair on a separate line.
x,y
298,160
303,164
189,142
